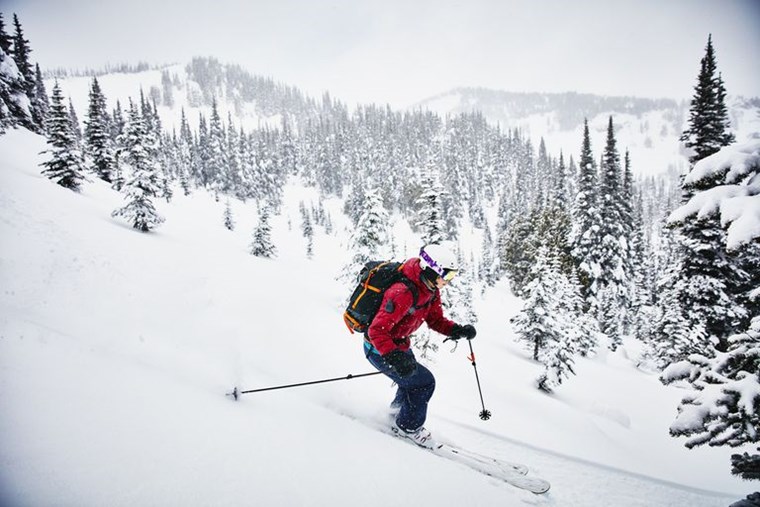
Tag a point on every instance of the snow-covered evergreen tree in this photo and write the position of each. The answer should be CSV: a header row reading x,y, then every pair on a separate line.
x,y
538,323
613,279
229,221
723,408
97,135
40,102
262,245
586,232
15,106
709,124
307,228
65,166
714,277
21,55
142,181
558,365
431,222
217,163
457,297
369,240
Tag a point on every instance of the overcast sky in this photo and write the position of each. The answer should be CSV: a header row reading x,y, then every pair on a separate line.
x,y
401,51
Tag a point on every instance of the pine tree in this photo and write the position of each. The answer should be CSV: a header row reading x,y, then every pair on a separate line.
x,y
613,278
308,233
713,276
65,165
559,365
229,222
40,102
709,125
184,154
21,52
216,166
457,297
722,409
15,107
97,135
76,129
168,90
262,245
431,223
586,233
142,179
537,323
6,43
369,240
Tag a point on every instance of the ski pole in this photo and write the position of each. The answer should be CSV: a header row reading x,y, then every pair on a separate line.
x,y
484,414
236,392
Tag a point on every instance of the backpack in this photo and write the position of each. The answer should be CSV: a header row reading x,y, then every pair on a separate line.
x,y
374,279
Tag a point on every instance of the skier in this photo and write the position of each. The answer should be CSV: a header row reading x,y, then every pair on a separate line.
x,y
387,340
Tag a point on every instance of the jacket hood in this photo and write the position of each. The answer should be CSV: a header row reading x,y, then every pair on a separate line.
x,y
413,271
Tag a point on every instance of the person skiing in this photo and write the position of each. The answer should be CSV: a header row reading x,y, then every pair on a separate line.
x,y
387,340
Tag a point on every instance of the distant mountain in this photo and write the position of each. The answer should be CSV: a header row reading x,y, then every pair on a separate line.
x,y
649,128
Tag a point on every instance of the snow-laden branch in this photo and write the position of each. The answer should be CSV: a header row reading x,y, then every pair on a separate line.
x,y
736,195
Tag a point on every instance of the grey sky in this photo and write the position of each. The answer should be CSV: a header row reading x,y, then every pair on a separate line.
x,y
401,51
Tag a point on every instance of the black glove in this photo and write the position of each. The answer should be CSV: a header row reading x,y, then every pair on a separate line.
x,y
403,364
467,331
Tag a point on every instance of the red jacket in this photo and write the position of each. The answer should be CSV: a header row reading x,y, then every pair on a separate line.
x,y
396,319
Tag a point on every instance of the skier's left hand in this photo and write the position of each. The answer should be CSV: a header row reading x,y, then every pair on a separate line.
x,y
467,331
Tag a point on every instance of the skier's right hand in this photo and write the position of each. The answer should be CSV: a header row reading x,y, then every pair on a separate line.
x,y
402,363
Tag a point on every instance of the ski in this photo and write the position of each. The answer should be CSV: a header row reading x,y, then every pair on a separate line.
x,y
506,472
487,460
513,474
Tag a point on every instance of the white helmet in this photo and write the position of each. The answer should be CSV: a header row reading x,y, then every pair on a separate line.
x,y
441,260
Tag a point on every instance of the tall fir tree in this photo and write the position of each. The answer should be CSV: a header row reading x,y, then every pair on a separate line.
x,y
15,107
430,221
722,409
21,55
586,233
713,277
370,238
709,124
97,135
65,165
261,245
6,43
40,102
142,179
613,279
216,166
229,221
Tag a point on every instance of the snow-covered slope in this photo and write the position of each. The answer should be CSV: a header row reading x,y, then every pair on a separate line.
x,y
117,349
122,87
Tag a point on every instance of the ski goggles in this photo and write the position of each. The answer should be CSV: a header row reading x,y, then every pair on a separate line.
x,y
449,274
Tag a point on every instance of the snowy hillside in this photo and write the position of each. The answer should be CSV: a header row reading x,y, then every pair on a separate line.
x,y
186,95
117,349
648,128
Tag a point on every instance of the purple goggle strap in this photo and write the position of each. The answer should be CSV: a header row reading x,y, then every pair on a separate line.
x,y
431,262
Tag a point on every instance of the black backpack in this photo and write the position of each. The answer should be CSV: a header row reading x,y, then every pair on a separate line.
x,y
374,279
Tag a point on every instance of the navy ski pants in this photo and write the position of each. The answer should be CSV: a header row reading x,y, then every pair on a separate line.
x,y
412,393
